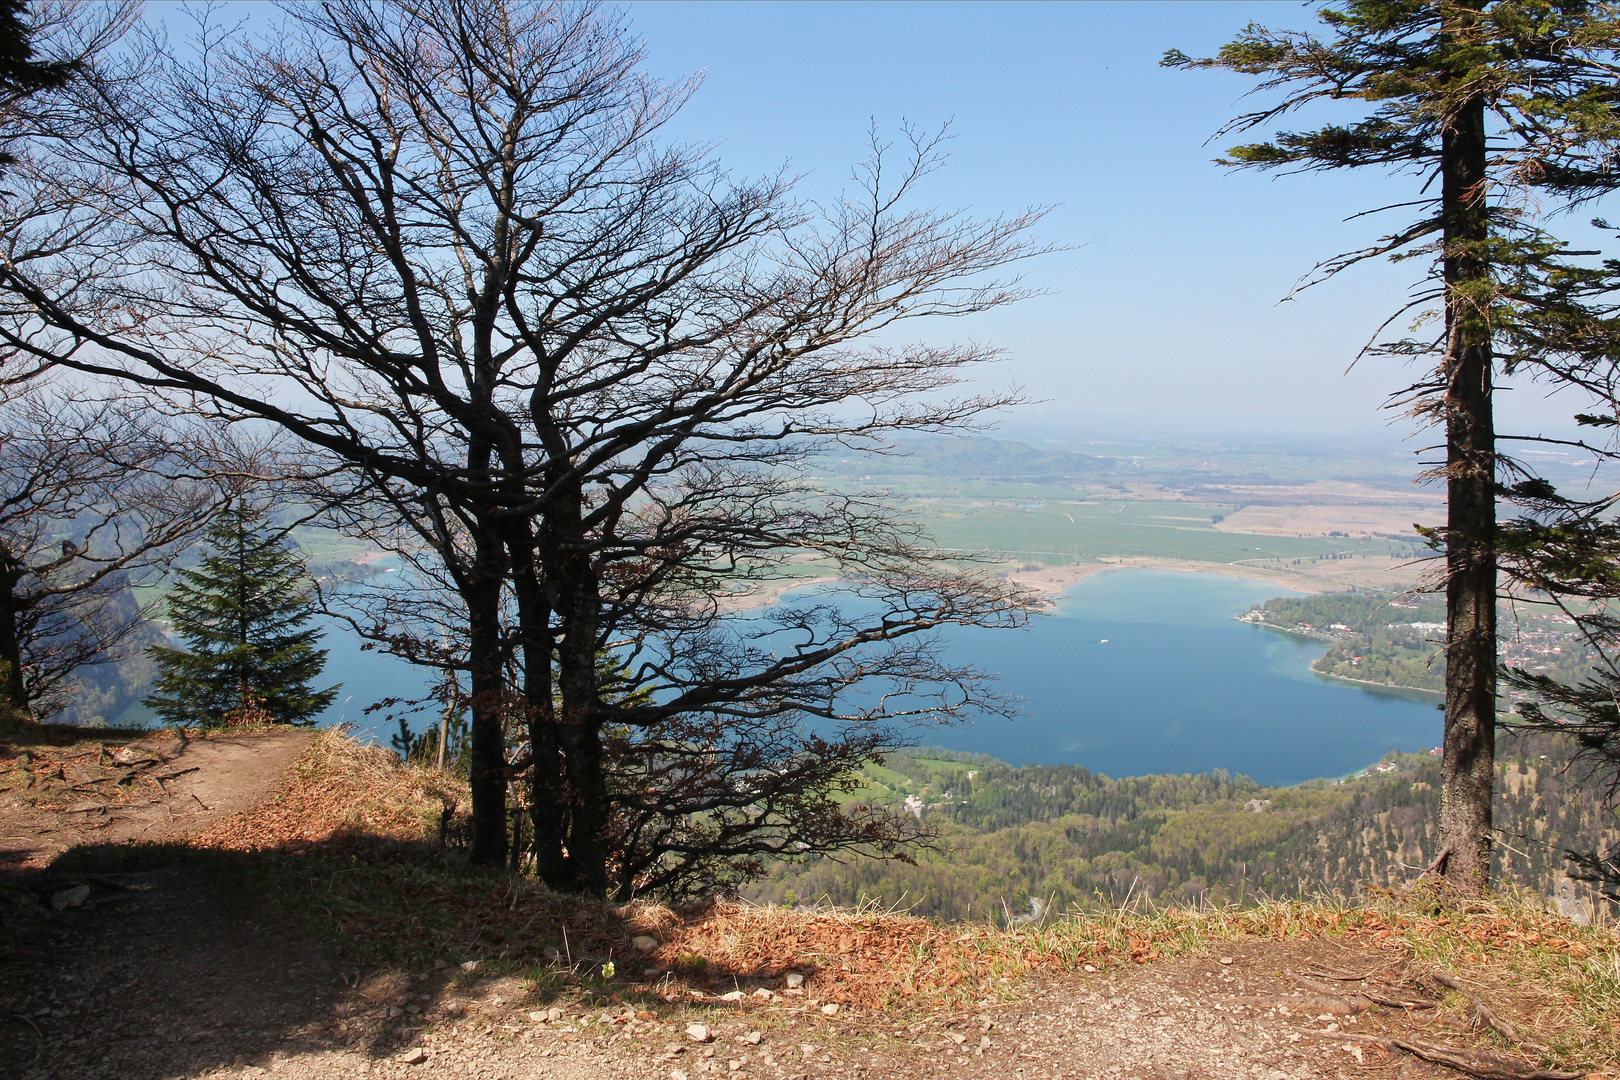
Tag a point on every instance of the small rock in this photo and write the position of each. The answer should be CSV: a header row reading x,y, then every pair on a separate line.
x,y
794,980
71,897
1569,902
956,1037
733,1065
440,965
1091,969
984,1042
414,1056
537,1017
469,966
454,1008
752,1038
553,1015
699,1032
644,944
677,1074
830,1009
395,1011
762,994
732,995
1226,961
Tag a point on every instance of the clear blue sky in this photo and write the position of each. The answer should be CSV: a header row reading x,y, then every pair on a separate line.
x,y
1165,315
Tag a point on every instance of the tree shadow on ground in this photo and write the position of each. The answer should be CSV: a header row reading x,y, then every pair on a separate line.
x,y
160,960
154,961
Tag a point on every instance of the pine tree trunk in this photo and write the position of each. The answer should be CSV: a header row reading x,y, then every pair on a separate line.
x,y
1467,770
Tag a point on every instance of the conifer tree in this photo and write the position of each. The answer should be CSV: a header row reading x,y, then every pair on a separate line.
x,y
1493,106
243,614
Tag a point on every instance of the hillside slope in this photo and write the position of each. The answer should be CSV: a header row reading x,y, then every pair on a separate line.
x,y
1075,839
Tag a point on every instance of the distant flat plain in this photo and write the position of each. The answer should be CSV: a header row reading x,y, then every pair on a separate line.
x,y
1310,520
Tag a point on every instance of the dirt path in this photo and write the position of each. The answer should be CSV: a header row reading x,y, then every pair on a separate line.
x,y
163,968
165,974
113,790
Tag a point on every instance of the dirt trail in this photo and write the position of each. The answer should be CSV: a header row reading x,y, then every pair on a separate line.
x,y
165,969
121,790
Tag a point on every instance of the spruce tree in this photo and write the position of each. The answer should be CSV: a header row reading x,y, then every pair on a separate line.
x,y
243,615
1494,107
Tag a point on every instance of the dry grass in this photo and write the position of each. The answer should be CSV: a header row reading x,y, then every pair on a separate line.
x,y
352,840
342,793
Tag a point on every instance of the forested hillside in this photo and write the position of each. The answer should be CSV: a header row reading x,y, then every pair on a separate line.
x,y
1072,838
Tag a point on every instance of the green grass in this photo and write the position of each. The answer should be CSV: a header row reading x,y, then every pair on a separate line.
x,y
1074,530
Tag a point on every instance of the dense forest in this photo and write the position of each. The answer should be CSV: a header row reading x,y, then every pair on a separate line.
x,y
1072,838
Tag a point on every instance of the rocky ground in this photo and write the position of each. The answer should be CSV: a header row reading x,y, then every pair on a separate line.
x,y
165,967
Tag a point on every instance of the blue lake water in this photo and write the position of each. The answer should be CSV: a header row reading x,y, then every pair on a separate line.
x,y
1178,687
367,677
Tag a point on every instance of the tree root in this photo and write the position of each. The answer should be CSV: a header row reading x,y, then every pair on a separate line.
x,y
1365,994
1476,1063
1485,1015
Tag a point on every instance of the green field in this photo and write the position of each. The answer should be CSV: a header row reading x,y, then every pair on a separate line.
x,y
1056,530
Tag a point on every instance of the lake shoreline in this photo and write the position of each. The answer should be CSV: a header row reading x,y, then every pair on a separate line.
x,y
1057,580
1427,694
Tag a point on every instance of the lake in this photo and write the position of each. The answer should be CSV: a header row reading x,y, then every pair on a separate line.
x,y
1136,671
1146,671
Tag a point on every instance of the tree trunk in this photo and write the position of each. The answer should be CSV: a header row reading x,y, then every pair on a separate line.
x,y
572,581
488,772
548,786
1467,770
12,690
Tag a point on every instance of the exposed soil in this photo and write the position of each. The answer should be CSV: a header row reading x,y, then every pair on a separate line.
x,y
120,790
165,967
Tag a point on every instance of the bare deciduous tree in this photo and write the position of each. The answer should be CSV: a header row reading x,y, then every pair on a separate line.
x,y
442,243
94,499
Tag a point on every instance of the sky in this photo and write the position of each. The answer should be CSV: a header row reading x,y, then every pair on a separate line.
x,y
1165,313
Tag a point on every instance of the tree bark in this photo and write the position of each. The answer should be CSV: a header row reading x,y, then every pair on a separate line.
x,y
548,787
12,690
1468,768
577,595
487,779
